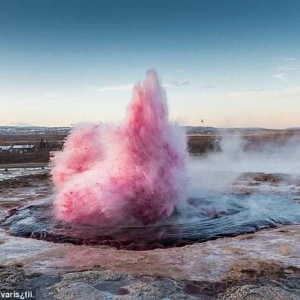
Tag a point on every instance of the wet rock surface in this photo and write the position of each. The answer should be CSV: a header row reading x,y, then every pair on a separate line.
x,y
261,265
109,284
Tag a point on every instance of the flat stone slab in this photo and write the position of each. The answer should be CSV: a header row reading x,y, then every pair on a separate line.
x,y
272,254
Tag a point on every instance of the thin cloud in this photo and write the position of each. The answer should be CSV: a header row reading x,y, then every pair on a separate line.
x,y
257,90
288,71
243,94
113,88
208,87
129,87
289,59
53,95
263,90
177,83
280,76
288,68
265,93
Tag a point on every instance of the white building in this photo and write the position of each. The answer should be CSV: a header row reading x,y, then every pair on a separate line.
x,y
6,148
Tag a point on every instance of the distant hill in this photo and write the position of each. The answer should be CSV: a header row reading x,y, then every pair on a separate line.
x,y
33,130
242,130
43,130
200,129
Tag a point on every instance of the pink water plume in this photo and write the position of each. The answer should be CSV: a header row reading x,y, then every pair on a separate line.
x,y
122,173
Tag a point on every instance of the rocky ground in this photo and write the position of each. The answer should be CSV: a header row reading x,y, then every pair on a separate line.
x,y
261,265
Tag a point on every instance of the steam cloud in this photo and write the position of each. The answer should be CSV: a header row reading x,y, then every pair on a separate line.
x,y
133,171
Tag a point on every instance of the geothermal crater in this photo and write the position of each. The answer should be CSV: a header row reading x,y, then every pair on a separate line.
x,y
209,217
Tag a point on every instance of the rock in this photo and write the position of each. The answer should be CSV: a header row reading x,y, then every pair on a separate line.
x,y
13,276
267,291
115,285
79,291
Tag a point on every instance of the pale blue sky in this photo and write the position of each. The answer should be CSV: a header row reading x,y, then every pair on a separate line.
x,y
230,63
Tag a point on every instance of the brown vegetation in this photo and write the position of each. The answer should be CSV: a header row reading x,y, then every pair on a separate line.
x,y
44,145
197,143
203,143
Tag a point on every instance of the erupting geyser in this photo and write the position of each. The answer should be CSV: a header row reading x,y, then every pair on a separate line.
x,y
117,174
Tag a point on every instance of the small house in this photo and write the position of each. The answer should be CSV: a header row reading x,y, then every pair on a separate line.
x,y
23,148
5,148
